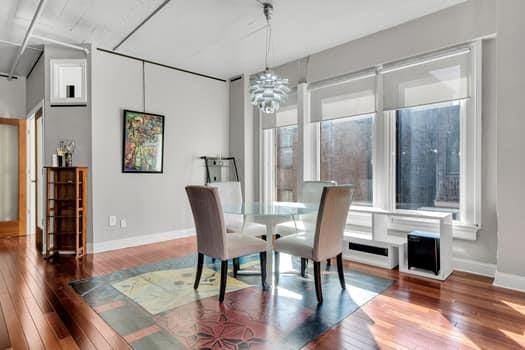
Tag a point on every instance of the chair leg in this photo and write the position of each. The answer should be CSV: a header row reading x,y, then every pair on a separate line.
x,y
262,257
317,279
200,262
224,276
340,271
328,262
304,261
236,266
277,263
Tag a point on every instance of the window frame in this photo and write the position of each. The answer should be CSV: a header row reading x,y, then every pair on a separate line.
x,y
384,147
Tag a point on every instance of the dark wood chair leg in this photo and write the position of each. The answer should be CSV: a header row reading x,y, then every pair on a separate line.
x,y
340,270
317,279
277,263
200,262
236,266
262,257
304,261
329,262
224,276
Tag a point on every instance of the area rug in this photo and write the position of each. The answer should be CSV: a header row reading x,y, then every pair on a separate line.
x,y
155,307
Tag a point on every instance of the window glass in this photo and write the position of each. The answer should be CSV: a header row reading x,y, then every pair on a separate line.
x,y
285,163
346,154
428,158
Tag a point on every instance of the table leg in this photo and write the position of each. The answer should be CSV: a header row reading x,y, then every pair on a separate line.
x,y
270,229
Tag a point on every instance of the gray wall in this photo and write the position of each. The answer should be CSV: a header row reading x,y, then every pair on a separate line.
x,y
456,25
196,113
511,143
13,97
35,88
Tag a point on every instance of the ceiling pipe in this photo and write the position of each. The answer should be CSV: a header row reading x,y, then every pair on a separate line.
x,y
61,43
22,48
15,44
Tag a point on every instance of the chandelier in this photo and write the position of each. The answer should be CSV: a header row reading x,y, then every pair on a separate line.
x,y
268,91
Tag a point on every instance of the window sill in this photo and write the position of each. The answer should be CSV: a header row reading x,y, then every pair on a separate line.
x,y
462,231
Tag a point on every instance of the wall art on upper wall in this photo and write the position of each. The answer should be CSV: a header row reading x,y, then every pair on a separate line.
x,y
143,142
68,82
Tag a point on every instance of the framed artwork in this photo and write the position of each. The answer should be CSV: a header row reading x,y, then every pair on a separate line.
x,y
68,82
143,142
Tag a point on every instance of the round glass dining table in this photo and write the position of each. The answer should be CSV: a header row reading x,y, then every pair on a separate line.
x,y
270,214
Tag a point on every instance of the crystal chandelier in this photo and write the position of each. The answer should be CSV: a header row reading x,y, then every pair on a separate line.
x,y
267,90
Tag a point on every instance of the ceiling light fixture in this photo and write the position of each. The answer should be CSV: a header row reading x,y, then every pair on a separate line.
x,y
268,91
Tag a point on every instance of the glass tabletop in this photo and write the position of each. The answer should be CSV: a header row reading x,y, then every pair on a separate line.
x,y
285,209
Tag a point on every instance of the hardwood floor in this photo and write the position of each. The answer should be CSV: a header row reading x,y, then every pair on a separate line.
x,y
42,312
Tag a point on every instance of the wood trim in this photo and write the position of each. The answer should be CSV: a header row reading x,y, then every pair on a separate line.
x,y
18,227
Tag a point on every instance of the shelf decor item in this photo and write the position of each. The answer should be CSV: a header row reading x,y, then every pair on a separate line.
x,y
143,142
68,82
65,150
66,210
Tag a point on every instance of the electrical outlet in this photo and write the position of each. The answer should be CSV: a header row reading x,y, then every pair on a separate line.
x,y
112,221
123,223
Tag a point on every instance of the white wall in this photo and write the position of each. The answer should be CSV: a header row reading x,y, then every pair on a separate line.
x,y
196,113
35,88
511,144
13,97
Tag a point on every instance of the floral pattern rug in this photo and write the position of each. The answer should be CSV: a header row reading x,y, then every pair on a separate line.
x,y
155,306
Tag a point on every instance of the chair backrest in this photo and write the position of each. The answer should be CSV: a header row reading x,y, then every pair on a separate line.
x,y
230,194
209,221
331,221
312,190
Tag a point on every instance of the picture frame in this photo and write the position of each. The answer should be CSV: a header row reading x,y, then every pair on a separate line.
x,y
142,142
68,79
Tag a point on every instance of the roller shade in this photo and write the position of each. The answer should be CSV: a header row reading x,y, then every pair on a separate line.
x,y
429,81
343,99
285,116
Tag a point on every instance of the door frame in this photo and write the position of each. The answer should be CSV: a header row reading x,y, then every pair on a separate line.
x,y
18,227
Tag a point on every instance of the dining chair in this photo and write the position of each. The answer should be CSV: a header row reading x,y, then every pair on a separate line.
x,y
311,194
212,239
326,241
230,193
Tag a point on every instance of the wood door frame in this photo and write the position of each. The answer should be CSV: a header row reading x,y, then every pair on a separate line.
x,y
39,233
18,227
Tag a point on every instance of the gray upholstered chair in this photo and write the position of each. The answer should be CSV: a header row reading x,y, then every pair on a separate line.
x,y
230,193
212,239
326,241
311,193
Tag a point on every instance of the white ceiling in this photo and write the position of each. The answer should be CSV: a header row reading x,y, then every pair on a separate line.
x,y
222,38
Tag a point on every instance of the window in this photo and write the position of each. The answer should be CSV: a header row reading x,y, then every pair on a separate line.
x,y
285,163
428,158
346,154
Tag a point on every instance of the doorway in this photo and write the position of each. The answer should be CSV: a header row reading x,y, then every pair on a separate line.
x,y
12,177
35,222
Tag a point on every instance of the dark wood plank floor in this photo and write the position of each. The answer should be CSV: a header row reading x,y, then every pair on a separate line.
x,y
42,312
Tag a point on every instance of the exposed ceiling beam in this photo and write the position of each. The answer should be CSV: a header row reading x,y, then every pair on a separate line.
x,y
15,44
22,48
61,43
141,24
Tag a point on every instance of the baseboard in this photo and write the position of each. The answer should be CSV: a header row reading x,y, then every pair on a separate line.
x,y
138,240
509,281
475,267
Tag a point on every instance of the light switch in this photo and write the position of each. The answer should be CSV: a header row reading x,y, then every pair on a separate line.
x,y
123,223
112,221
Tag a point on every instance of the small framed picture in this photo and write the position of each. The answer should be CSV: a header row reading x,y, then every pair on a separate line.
x,y
143,142
68,82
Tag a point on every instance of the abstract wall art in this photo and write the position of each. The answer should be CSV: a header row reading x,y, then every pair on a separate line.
x,y
143,142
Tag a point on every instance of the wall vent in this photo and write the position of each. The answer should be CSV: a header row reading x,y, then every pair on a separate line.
x,y
368,249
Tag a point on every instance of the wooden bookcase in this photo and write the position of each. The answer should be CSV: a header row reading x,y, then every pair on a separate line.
x,y
66,210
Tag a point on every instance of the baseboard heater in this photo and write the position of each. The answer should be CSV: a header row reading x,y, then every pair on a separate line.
x,y
368,249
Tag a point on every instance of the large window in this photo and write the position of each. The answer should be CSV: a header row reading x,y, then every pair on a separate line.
x,y
428,158
285,149
346,154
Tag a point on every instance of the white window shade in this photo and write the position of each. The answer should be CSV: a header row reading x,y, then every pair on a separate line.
x,y
429,81
343,99
285,116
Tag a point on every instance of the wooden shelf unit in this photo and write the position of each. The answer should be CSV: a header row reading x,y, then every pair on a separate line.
x,y
66,210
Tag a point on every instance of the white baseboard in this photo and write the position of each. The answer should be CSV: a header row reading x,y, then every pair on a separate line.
x,y
475,267
138,240
509,281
